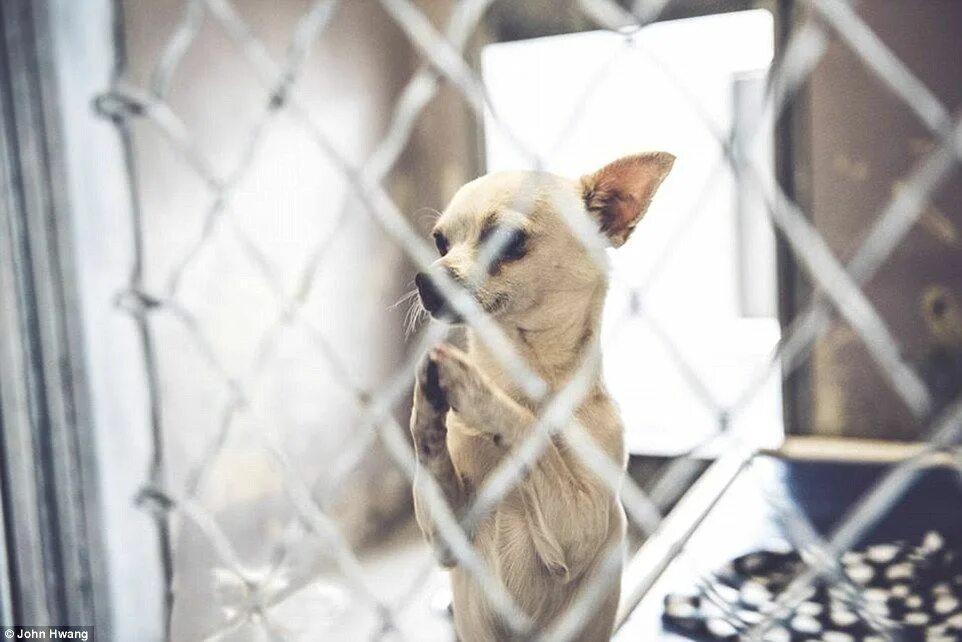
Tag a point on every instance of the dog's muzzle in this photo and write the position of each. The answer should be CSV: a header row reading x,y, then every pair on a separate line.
x,y
432,299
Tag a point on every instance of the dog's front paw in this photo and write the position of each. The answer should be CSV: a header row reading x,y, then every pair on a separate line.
x,y
430,408
429,380
458,379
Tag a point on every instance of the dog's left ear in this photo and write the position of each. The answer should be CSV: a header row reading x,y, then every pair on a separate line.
x,y
618,194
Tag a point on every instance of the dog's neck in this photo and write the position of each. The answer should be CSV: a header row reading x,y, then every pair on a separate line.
x,y
553,340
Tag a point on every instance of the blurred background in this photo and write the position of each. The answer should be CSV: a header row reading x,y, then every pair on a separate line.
x,y
200,330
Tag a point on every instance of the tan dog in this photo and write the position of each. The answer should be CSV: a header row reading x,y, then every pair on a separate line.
x,y
546,291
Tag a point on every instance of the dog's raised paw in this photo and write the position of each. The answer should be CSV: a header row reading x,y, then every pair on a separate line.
x,y
457,377
430,381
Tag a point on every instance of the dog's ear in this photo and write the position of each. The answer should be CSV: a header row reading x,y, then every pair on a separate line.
x,y
618,194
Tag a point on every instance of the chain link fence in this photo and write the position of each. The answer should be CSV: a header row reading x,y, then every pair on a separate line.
x,y
837,286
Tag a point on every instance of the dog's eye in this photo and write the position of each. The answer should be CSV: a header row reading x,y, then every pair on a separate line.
x,y
515,248
441,242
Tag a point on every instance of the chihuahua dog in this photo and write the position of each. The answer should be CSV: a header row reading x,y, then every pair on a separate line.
x,y
545,289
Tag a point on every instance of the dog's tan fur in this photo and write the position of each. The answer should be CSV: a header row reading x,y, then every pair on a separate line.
x,y
552,530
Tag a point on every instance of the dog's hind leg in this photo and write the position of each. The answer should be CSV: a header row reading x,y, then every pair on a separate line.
x,y
429,431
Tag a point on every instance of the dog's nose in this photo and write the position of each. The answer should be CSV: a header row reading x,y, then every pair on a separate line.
x,y
431,299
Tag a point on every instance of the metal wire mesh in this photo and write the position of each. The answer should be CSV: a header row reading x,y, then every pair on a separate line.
x,y
838,292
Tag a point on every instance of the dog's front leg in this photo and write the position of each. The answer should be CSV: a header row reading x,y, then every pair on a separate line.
x,y
429,431
478,400
566,505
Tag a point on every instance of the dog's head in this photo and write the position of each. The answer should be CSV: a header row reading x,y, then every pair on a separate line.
x,y
508,237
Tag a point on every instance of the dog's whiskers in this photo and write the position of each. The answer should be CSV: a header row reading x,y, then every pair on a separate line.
x,y
404,298
427,213
414,315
